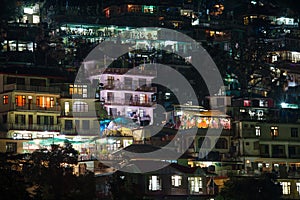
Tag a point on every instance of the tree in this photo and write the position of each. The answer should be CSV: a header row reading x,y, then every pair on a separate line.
x,y
51,172
9,10
249,188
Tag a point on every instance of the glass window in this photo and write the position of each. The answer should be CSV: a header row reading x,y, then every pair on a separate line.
x,y
78,89
176,180
20,100
128,82
45,102
11,147
154,183
85,124
221,144
142,82
5,99
274,131
51,118
67,108
46,120
286,187
298,187
195,184
257,130
294,132
20,119
68,124
80,106
247,103
38,119
256,145
204,143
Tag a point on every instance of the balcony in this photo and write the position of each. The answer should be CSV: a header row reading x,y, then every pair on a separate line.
x,y
30,88
130,88
125,102
34,107
34,127
82,132
136,71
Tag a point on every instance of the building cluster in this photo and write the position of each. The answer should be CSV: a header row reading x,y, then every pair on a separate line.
x,y
110,108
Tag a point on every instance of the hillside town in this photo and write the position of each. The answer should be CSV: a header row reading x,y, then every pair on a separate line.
x,y
84,89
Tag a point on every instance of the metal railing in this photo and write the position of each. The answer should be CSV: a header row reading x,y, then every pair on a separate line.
x,y
34,127
80,131
31,106
129,87
123,101
14,86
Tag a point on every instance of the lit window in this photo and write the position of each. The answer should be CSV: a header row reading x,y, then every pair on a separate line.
x,y
298,187
247,103
176,180
20,100
195,184
257,130
286,187
154,183
67,108
45,102
274,131
78,90
143,98
5,99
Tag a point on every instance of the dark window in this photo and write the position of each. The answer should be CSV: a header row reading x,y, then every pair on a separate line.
x,y
206,144
46,120
220,101
85,124
68,124
256,145
38,119
221,144
11,147
142,82
4,118
77,124
294,132
20,119
51,120
38,82
11,80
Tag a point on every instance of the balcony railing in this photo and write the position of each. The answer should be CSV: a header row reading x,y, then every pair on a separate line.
x,y
140,71
84,132
12,87
121,101
34,127
31,106
130,87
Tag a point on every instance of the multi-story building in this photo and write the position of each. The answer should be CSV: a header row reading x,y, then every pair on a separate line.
x,y
128,92
30,109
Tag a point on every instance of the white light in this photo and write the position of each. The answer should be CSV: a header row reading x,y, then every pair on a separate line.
x,y
283,105
28,10
110,141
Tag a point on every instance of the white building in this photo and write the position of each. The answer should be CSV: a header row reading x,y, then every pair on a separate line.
x,y
128,92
